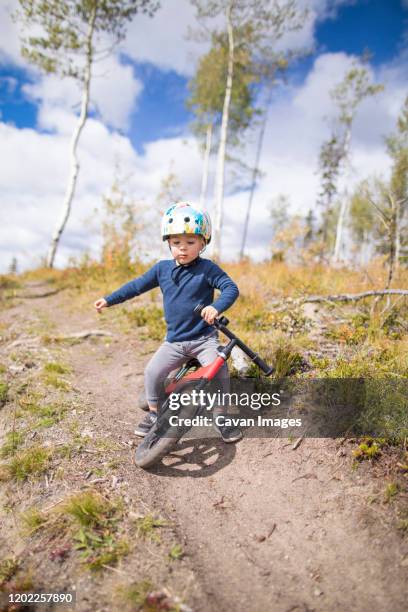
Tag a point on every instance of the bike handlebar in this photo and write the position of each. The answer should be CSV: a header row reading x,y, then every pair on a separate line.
x,y
221,324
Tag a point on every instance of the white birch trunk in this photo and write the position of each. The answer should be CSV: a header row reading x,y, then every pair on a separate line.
x,y
207,153
397,233
255,172
339,227
74,164
220,174
344,201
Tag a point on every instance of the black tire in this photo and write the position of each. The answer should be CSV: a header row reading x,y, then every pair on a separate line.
x,y
163,438
153,448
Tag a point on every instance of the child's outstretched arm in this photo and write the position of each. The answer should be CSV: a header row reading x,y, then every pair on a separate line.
x,y
141,284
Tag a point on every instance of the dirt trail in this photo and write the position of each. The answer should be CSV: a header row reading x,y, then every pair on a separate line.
x,y
264,527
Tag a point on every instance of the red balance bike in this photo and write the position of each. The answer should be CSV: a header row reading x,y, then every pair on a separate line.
x,y
163,437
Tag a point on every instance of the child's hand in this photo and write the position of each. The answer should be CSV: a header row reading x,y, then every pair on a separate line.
x,y
101,303
209,313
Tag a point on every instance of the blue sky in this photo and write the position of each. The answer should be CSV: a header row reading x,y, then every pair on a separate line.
x,y
142,119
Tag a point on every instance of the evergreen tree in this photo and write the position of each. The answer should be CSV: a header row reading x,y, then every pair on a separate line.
x,y
13,267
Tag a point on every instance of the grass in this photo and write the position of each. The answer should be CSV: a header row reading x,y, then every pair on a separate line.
x,y
32,520
286,361
391,490
14,439
368,449
99,549
9,281
50,415
136,594
403,525
176,553
47,414
89,509
147,527
28,400
150,317
90,520
29,462
8,568
52,379
57,368
145,597
4,388
96,539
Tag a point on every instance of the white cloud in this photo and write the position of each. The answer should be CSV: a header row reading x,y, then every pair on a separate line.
x,y
33,175
114,92
9,41
162,40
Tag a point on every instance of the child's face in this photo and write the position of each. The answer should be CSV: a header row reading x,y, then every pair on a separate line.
x,y
185,247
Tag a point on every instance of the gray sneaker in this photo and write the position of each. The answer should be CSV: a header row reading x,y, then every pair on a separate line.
x,y
145,426
229,433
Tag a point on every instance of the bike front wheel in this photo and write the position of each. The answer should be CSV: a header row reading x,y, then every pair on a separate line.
x,y
153,448
163,437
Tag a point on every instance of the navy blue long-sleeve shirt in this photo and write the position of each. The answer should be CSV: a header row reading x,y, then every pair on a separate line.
x,y
183,287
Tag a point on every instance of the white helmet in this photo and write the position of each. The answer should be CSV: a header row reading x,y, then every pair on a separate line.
x,y
186,218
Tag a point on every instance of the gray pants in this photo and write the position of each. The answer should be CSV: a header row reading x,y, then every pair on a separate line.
x,y
171,355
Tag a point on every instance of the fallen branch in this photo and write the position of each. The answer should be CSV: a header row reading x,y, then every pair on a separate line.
x,y
28,296
284,302
83,335
351,297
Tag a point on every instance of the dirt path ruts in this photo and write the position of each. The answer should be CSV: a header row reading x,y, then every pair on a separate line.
x,y
264,527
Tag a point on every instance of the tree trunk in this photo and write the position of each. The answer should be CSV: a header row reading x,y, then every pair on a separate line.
x,y
392,234
219,181
344,201
207,153
74,164
339,228
255,172
397,232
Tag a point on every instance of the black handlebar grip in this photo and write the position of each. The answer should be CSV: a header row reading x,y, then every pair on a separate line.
x,y
264,366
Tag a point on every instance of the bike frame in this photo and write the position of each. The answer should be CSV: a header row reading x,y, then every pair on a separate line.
x,y
207,373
